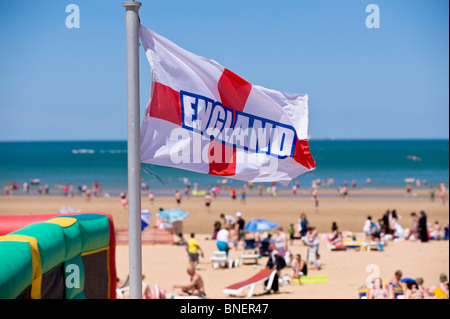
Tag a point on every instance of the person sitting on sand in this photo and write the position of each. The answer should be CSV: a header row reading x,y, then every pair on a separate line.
x,y
413,292
337,239
396,279
443,287
299,268
318,262
195,287
377,292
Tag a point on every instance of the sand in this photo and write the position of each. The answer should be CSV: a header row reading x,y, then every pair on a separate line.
x,y
165,264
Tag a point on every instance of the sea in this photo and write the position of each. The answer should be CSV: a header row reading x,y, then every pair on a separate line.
x,y
387,163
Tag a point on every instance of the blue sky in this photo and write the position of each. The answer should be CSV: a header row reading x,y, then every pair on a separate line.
x,y
70,84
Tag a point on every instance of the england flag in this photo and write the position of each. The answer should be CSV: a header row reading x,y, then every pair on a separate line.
x,y
204,118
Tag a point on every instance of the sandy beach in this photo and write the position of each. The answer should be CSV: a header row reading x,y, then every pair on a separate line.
x,y
165,264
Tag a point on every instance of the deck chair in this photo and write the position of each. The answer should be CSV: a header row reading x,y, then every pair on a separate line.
x,y
439,293
374,245
249,245
261,277
220,260
332,247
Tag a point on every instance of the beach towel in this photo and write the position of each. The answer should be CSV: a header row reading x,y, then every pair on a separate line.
x,y
314,279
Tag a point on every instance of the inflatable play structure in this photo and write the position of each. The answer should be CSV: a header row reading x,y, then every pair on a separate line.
x,y
57,256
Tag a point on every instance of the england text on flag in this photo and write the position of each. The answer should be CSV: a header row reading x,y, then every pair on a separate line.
x,y
204,118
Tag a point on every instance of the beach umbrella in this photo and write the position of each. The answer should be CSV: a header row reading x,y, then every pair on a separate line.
x,y
145,218
173,215
258,225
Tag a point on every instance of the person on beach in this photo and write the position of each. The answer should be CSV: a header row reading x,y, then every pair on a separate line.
x,y
423,228
178,197
208,201
294,190
151,198
345,191
432,192
273,189
277,262
377,292
304,224
281,242
318,262
223,240
413,291
368,228
228,220
414,233
312,240
260,190
196,286
397,277
233,193
314,197
123,199
216,229
299,268
243,194
193,250
240,224
291,231
442,193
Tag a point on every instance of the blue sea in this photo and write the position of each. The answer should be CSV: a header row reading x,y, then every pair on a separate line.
x,y
386,162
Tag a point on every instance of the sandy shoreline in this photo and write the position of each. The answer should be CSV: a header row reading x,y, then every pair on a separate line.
x,y
346,271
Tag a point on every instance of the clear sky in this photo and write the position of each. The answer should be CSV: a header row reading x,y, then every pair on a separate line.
x,y
389,82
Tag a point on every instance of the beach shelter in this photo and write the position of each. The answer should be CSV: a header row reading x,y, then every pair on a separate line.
x,y
173,215
259,225
145,219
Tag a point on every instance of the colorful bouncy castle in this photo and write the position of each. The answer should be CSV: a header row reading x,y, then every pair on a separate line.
x,y
57,256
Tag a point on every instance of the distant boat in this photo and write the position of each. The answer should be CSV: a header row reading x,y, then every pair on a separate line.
x,y
414,158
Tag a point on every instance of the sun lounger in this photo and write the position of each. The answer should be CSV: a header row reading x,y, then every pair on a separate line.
x,y
261,277
252,257
220,260
248,255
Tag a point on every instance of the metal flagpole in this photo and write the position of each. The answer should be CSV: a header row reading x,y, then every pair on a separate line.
x,y
134,165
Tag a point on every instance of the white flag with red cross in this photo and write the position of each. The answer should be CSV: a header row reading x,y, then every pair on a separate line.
x,y
204,118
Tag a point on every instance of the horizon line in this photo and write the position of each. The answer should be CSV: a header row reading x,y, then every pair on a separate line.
x,y
310,139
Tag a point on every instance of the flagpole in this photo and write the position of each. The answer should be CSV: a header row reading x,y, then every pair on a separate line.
x,y
134,165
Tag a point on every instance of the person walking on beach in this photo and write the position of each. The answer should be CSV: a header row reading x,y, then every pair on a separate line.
x,y
314,195
193,250
260,189
123,200
178,197
442,194
208,201
151,197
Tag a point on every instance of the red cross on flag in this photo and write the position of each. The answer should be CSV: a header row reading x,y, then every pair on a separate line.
x,y
204,118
